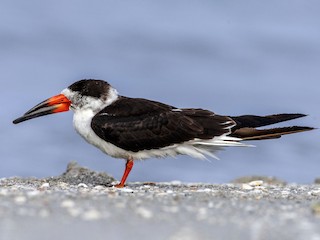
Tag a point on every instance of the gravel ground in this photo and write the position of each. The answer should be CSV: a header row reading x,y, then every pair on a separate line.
x,y
82,204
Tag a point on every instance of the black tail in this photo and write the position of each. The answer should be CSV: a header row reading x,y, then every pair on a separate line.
x,y
246,126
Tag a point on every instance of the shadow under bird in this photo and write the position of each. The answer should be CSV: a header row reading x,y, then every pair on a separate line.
x,y
137,128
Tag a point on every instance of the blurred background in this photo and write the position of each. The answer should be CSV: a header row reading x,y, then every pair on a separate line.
x,y
232,57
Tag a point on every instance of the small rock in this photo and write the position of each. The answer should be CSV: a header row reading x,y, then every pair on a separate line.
x,y
67,204
99,188
20,200
125,189
255,183
204,190
144,212
314,192
246,186
44,186
82,185
145,187
91,215
267,180
75,174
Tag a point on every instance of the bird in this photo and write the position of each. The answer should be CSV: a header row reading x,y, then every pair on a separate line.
x,y
138,128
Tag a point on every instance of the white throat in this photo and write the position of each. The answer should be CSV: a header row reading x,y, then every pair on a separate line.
x,y
85,108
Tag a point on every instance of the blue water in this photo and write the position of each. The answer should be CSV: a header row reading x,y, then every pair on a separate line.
x,y
232,57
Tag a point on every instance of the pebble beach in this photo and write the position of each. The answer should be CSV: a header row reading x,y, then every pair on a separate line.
x,y
83,204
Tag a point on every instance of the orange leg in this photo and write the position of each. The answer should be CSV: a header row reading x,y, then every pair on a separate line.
x,y
129,165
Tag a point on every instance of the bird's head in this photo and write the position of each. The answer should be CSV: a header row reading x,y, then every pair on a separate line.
x,y
84,94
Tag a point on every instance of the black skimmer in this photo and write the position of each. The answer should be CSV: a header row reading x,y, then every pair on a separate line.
x,y
136,128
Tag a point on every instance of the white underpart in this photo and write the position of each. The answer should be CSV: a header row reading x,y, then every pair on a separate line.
x,y
197,148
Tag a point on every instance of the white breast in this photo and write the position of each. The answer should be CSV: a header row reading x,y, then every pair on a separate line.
x,y
82,123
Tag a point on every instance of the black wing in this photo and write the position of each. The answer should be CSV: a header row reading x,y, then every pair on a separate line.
x,y
136,124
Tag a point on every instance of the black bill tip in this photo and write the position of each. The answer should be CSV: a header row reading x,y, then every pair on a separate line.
x,y
18,120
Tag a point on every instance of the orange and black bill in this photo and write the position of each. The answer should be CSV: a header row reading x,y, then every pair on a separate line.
x,y
55,104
